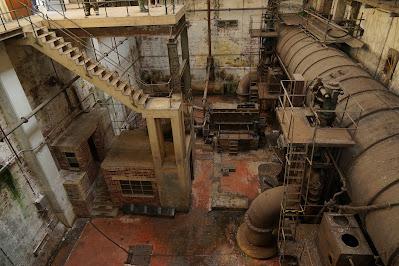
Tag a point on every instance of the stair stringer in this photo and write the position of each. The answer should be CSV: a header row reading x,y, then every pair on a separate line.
x,y
80,70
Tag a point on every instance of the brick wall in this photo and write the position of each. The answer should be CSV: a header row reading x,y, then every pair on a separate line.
x,y
83,156
112,177
80,191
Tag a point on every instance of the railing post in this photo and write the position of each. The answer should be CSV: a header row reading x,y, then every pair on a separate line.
x,y
166,7
2,22
127,8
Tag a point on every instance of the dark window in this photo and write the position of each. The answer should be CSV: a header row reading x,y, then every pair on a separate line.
x,y
136,188
71,159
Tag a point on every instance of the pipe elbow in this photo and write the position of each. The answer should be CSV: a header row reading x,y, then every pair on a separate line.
x,y
255,236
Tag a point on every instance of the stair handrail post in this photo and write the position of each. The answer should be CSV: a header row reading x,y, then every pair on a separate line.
x,y
3,22
127,8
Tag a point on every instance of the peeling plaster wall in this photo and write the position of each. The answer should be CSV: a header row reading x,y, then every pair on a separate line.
x,y
123,57
22,228
233,50
381,32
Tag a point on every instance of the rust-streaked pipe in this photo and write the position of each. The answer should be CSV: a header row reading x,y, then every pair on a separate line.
x,y
256,236
371,166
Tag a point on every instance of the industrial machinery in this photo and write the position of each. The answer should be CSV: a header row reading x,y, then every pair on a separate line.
x,y
232,126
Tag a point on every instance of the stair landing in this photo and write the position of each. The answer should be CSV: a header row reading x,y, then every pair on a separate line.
x,y
325,136
117,16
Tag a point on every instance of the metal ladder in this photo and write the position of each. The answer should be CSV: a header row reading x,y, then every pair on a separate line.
x,y
291,205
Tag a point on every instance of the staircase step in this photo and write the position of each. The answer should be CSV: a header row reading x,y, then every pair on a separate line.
x,y
45,34
106,76
54,40
113,77
99,72
115,81
70,50
76,56
143,99
93,66
87,62
137,94
40,30
127,91
122,86
61,45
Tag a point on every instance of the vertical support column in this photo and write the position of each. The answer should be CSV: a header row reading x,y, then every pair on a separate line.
x,y
29,135
157,141
174,65
182,163
186,56
171,165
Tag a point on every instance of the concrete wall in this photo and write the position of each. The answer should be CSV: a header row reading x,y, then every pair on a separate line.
x,y
233,50
22,227
381,32
125,60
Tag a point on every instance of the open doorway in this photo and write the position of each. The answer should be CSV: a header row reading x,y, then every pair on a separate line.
x,y
93,149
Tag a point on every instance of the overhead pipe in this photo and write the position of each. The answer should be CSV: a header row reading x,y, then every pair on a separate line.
x,y
371,166
256,237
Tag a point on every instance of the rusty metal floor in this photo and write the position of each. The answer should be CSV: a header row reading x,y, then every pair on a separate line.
x,y
200,237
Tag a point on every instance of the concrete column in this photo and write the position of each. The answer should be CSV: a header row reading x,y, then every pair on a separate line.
x,y
157,142
182,164
186,55
29,135
174,65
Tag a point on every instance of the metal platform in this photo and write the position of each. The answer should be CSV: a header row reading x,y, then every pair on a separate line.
x,y
324,30
304,131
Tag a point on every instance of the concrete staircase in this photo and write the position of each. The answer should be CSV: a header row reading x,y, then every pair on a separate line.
x,y
77,61
102,204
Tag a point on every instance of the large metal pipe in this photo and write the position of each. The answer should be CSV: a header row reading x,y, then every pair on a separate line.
x,y
256,236
372,165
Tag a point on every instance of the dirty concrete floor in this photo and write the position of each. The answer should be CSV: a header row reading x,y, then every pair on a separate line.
x,y
200,237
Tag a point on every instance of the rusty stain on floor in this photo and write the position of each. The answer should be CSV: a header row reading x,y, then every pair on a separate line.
x,y
200,237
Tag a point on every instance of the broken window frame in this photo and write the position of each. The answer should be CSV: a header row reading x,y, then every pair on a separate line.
x,y
137,188
72,160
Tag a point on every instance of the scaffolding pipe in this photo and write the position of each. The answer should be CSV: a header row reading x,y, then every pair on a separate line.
x,y
26,118
209,30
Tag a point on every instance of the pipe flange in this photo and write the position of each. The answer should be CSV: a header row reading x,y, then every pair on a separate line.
x,y
251,250
252,227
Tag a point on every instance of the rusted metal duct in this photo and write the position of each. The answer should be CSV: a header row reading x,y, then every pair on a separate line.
x,y
244,85
255,236
372,165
